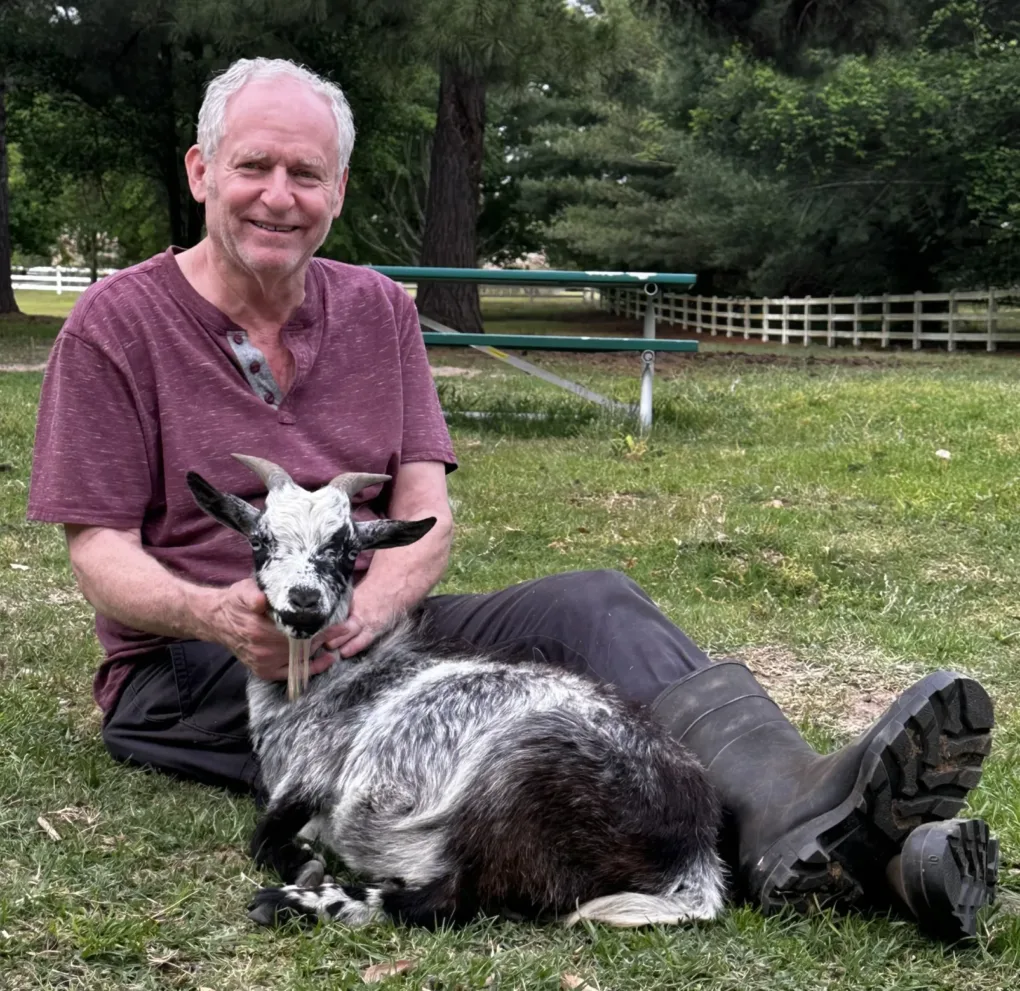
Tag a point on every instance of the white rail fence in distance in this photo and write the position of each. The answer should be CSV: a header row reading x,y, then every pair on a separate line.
x,y
56,279
951,318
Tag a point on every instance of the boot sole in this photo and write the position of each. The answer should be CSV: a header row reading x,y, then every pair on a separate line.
x,y
923,757
950,871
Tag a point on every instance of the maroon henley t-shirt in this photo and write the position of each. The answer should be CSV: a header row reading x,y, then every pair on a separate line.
x,y
148,380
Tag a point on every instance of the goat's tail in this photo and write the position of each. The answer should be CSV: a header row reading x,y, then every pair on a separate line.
x,y
698,895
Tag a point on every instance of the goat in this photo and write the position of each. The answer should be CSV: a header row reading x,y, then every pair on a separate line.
x,y
454,782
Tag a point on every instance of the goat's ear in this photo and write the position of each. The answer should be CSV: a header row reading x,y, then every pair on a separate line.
x,y
230,510
380,534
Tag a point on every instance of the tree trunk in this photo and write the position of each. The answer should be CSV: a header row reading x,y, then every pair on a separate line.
x,y
452,205
7,303
94,257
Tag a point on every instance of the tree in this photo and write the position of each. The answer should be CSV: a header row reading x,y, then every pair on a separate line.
x,y
782,30
81,186
482,43
886,173
7,301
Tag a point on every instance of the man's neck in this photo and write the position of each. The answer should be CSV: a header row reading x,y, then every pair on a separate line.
x,y
259,306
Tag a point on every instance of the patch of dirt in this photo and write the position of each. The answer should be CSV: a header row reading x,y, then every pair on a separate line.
x,y
848,701
66,597
796,685
866,707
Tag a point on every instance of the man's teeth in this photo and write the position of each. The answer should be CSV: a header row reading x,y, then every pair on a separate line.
x,y
271,227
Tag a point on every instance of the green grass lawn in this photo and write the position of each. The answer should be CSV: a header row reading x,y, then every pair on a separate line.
x,y
788,509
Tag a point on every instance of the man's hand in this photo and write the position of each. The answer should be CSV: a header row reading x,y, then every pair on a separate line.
x,y
360,629
239,622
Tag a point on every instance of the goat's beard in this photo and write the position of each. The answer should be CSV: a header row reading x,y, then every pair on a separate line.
x,y
298,675
297,668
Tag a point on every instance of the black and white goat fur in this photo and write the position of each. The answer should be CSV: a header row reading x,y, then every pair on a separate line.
x,y
452,782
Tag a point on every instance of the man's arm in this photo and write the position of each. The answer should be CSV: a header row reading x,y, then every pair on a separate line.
x,y
123,582
400,577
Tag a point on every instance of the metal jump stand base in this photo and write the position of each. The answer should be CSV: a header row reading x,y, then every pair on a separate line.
x,y
643,410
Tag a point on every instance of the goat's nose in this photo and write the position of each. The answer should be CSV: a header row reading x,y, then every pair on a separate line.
x,y
305,597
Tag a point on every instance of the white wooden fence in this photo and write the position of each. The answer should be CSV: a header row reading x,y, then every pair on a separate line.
x,y
988,317
56,279
61,280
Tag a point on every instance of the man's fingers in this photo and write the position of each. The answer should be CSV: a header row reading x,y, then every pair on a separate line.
x,y
357,644
325,660
340,635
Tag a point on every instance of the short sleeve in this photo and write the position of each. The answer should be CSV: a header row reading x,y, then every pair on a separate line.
x,y
90,463
426,437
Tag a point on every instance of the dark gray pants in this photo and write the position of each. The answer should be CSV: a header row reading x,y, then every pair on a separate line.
x,y
183,710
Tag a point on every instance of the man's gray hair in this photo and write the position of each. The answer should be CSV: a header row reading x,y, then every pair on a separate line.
x,y
212,116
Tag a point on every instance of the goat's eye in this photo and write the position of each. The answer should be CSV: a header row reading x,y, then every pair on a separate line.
x,y
353,555
256,544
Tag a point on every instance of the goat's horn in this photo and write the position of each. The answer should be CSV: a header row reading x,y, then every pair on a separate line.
x,y
273,475
353,482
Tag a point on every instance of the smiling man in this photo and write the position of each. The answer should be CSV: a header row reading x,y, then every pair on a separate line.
x,y
248,343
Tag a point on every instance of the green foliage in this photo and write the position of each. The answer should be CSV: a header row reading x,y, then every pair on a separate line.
x,y
77,187
870,174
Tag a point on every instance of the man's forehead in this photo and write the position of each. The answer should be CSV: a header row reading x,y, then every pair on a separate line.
x,y
281,109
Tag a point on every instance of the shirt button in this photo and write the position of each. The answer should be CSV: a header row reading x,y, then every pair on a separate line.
x,y
254,367
239,338
269,398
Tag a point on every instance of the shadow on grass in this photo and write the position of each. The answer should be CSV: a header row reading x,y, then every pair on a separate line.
x,y
537,414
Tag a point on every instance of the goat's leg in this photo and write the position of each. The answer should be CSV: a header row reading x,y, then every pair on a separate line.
x,y
354,905
349,904
275,842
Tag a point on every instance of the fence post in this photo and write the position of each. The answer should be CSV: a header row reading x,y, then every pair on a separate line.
x,y
885,320
951,330
785,334
765,306
831,328
993,320
715,300
917,321
60,289
807,321
857,321
747,318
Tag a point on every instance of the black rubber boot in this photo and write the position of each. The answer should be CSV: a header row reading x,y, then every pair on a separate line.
x,y
819,831
945,874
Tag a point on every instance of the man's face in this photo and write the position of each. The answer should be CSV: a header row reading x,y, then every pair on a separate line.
x,y
274,186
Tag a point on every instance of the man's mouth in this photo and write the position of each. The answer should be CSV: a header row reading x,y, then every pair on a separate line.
x,y
273,228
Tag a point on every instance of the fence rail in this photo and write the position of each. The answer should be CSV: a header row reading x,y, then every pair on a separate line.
x,y
985,317
61,280
57,279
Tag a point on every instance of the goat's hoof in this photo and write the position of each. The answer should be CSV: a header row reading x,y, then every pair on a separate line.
x,y
275,906
310,875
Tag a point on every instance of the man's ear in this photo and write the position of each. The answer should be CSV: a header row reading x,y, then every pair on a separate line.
x,y
195,167
379,534
230,510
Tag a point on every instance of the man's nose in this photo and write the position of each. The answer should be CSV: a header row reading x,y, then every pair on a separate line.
x,y
277,194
